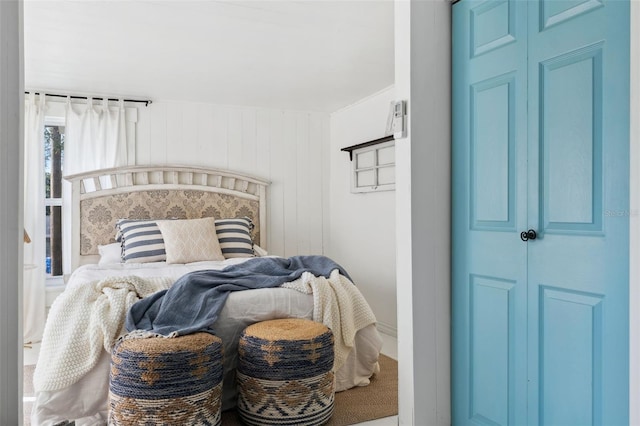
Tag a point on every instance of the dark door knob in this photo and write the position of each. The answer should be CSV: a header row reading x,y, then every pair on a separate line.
x,y
528,235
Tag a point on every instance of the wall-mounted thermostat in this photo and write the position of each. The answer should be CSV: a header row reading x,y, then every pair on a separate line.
x,y
400,119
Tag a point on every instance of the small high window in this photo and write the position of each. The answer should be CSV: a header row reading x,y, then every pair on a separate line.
x,y
374,168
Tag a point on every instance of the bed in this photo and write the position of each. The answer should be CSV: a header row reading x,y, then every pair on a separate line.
x,y
100,200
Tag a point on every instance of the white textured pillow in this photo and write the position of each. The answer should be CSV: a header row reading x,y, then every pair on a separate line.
x,y
190,240
110,253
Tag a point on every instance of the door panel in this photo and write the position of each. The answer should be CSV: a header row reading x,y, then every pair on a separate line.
x,y
493,153
570,351
578,170
571,141
489,161
554,12
492,26
492,339
540,140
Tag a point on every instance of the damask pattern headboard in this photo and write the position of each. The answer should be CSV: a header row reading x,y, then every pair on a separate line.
x,y
102,197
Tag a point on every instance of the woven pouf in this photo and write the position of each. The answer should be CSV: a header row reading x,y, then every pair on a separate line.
x,y
166,381
285,373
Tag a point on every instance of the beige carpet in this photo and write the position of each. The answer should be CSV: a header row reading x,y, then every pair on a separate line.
x,y
357,405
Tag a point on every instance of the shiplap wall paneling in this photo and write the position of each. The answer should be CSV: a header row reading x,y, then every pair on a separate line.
x,y
305,167
234,140
326,149
188,132
158,142
286,147
290,180
205,134
263,141
248,162
151,137
263,150
275,192
218,139
315,180
181,142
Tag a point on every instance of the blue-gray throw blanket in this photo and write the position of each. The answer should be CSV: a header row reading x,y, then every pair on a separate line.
x,y
193,303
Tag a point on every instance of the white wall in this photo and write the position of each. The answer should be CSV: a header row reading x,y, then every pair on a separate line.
x,y
287,147
362,233
423,77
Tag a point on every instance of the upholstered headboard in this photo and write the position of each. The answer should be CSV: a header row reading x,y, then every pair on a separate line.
x,y
102,197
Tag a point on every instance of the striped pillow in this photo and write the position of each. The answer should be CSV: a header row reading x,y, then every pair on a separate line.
x,y
141,241
234,236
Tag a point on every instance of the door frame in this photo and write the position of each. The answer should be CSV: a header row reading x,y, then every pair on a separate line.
x,y
634,216
406,340
11,222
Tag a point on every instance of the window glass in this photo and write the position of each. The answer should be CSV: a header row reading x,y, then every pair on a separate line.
x,y
53,161
387,155
365,159
386,175
367,178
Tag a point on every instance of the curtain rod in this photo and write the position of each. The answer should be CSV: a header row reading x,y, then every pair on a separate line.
x,y
145,102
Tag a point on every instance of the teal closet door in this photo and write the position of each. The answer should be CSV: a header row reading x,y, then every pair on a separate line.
x,y
489,211
540,141
578,200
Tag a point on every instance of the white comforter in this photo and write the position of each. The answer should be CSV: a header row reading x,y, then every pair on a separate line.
x,y
86,400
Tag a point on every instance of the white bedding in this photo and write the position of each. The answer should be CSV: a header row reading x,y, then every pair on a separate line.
x,y
86,400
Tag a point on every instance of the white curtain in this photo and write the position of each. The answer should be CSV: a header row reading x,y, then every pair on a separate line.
x,y
95,138
34,219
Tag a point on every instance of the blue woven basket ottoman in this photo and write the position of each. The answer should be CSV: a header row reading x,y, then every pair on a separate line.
x,y
166,381
285,373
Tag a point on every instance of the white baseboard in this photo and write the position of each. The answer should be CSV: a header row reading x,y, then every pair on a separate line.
x,y
387,329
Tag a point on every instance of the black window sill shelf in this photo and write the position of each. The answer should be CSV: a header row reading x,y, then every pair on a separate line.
x,y
352,148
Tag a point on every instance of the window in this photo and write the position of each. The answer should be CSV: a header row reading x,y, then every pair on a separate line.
x,y
53,160
374,168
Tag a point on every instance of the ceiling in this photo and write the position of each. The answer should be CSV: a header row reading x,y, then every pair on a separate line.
x,y
304,55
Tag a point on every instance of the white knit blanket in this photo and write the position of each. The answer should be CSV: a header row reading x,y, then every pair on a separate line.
x,y
338,304
83,320
89,317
